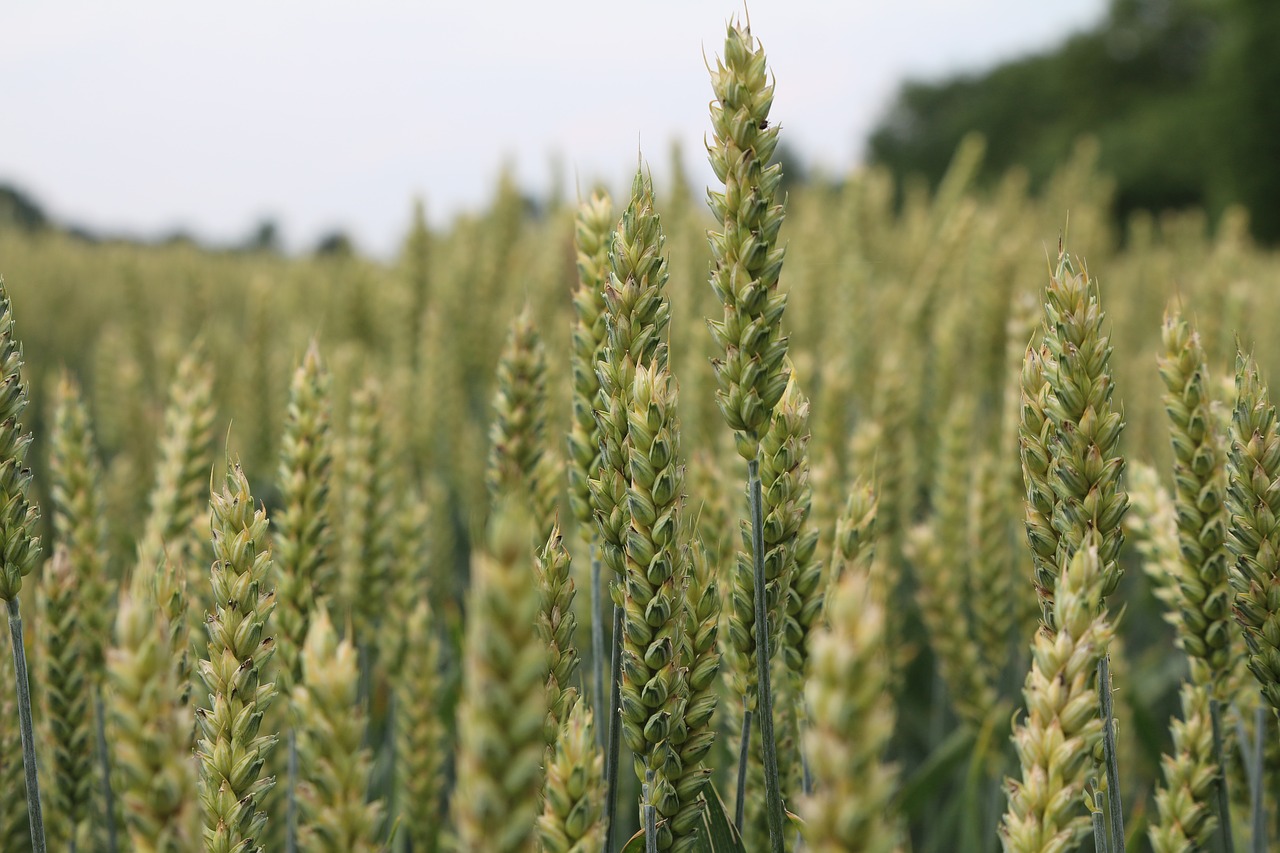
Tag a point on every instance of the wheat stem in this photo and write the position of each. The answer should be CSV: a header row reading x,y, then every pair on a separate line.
x,y
772,785
597,640
104,761
1224,800
650,815
611,755
1109,749
744,755
1258,806
34,811
1099,825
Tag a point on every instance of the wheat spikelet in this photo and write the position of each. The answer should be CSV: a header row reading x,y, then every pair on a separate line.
x,y
302,536
1200,478
852,718
183,470
784,480
1254,537
701,660
1184,802
655,686
518,462
1086,467
637,317
421,746
592,229
15,830
79,516
503,707
1154,525
747,258
997,589
556,624
365,503
572,819
150,730
334,766
68,701
1057,739
18,513
230,746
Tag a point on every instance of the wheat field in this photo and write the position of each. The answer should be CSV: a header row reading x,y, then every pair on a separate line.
x,y
838,516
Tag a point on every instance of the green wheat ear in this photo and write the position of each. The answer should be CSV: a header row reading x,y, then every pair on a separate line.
x,y
518,459
68,700
230,746
852,718
334,772
503,707
18,514
302,534
747,258
79,514
1062,730
572,819
556,624
1253,503
421,740
592,230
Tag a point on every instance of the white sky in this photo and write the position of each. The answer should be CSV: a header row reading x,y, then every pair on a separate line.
x,y
147,115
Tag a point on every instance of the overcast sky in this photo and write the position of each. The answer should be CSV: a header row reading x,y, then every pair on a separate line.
x,y
149,115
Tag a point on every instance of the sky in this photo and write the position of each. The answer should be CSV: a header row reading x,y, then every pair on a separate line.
x,y
147,116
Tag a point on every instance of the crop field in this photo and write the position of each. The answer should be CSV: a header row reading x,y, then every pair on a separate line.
x,y
844,516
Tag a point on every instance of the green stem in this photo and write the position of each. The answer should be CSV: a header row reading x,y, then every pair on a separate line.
x,y
104,762
806,773
1224,802
772,789
650,815
744,753
615,734
34,811
597,640
1259,760
1099,827
1109,750
291,800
